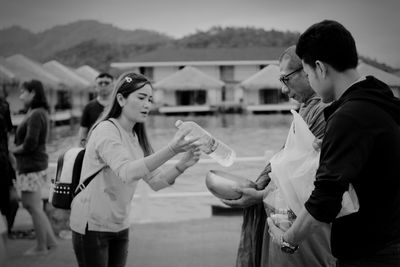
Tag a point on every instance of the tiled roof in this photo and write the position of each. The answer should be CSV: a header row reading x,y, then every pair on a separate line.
x,y
386,77
267,78
26,69
66,75
211,54
6,73
203,56
189,78
87,72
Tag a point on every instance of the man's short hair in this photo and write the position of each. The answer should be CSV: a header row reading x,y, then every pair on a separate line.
x,y
295,61
330,42
104,75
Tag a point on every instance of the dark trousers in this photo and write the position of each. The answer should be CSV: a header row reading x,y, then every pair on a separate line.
x,y
8,195
387,257
11,213
101,249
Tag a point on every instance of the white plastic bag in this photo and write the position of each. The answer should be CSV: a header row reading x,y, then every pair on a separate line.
x,y
293,170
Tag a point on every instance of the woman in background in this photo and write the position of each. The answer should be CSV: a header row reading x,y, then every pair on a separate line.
x,y
32,162
118,146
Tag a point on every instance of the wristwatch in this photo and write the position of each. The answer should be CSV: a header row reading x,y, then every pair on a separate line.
x,y
287,247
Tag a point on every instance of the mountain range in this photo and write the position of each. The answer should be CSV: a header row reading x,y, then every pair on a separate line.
x,y
98,44
41,46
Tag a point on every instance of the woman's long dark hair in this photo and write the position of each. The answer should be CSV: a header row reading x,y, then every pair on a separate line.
x,y
39,100
126,84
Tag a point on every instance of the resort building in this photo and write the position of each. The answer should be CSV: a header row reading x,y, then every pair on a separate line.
x,y
390,79
188,90
262,92
228,65
66,89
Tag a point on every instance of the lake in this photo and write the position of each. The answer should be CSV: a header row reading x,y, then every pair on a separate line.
x,y
248,135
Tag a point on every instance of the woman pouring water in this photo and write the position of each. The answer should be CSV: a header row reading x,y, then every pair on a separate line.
x,y
118,145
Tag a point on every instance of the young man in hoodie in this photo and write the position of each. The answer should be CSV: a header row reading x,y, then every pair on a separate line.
x,y
361,147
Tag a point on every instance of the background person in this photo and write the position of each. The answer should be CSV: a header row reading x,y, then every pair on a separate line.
x,y
93,110
119,147
255,229
32,162
8,196
361,146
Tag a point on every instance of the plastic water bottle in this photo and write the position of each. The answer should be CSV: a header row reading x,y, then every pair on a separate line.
x,y
211,146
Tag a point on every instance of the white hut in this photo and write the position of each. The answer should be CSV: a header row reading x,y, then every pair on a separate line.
x,y
35,69
188,90
262,91
88,73
8,81
390,79
6,74
23,70
74,93
28,69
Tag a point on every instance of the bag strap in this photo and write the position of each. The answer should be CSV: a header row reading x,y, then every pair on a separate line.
x,y
60,163
87,181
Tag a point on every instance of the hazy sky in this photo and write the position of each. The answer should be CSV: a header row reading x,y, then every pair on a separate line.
x,y
375,24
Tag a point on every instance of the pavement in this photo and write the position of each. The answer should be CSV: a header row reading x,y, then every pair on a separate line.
x,y
200,242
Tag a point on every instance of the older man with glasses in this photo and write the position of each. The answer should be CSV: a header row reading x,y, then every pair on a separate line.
x,y
256,248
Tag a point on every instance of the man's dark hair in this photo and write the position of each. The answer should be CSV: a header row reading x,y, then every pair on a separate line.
x,y
330,42
105,75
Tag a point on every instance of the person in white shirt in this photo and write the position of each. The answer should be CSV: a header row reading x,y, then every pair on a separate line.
x,y
119,147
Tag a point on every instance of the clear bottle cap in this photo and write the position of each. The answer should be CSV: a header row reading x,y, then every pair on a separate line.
x,y
178,123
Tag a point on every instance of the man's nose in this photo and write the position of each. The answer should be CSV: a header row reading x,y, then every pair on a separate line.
x,y
285,89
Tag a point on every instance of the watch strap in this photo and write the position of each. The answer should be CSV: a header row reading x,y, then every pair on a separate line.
x,y
287,247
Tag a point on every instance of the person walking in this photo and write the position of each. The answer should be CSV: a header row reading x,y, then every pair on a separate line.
x,y
32,162
93,110
119,150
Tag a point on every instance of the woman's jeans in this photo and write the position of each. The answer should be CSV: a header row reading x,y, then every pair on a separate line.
x,y
101,249
387,257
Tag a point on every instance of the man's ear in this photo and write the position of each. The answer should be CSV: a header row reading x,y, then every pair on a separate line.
x,y
321,69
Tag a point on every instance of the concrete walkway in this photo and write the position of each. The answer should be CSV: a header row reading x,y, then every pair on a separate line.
x,y
208,242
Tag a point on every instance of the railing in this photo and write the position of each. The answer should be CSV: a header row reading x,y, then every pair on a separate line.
x,y
64,115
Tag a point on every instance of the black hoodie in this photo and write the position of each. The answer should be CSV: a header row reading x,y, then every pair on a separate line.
x,y
362,147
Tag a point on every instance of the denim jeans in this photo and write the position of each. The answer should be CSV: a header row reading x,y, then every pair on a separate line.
x,y
387,257
101,249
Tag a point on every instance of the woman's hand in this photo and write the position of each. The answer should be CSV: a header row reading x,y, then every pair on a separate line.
x,y
190,158
180,144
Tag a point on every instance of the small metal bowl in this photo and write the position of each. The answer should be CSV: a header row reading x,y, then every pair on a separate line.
x,y
221,184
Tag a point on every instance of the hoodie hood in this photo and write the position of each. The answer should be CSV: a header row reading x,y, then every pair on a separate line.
x,y
374,91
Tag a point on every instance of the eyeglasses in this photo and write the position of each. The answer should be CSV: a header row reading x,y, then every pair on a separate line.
x,y
285,78
103,83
